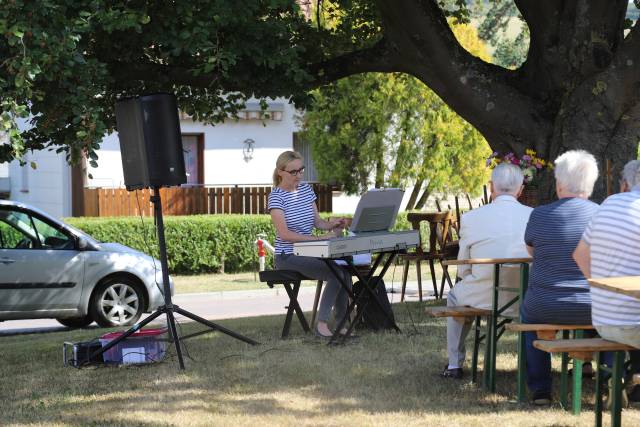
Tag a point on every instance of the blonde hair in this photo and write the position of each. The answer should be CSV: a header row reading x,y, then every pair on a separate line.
x,y
283,160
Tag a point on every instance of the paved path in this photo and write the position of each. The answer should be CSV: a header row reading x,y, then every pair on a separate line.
x,y
217,305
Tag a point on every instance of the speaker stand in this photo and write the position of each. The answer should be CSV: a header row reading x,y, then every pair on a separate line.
x,y
169,308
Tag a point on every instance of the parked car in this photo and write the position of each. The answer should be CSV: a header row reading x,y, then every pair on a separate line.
x,y
49,269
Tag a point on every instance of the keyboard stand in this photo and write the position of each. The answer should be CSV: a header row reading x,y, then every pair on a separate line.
x,y
338,338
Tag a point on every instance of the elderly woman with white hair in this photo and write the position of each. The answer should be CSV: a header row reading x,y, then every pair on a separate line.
x,y
558,292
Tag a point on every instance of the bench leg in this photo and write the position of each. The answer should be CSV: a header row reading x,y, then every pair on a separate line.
x,y
476,348
293,307
577,379
432,270
405,274
564,376
419,273
616,389
493,332
522,369
314,311
490,355
598,403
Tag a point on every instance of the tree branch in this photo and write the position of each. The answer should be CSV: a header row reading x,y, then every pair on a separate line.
x,y
377,58
486,95
159,73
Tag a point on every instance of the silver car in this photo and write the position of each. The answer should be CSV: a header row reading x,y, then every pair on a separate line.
x,y
49,269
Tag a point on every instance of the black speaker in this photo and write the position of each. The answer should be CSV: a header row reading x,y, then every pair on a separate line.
x,y
150,141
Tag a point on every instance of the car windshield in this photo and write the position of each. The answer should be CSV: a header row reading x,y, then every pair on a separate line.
x,y
81,233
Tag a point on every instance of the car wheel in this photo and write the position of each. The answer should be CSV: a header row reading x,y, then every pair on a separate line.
x,y
117,301
76,322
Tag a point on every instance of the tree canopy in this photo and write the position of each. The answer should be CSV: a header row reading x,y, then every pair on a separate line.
x,y
63,63
390,130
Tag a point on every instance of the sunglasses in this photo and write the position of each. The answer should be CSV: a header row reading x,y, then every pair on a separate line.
x,y
295,172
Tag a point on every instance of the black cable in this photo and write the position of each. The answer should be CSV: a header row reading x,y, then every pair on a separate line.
x,y
146,243
184,343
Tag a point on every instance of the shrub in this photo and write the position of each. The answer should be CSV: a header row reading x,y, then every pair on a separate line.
x,y
195,243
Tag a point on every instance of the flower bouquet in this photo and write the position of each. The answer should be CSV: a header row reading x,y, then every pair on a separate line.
x,y
530,164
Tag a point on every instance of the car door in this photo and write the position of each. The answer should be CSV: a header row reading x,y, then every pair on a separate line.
x,y
40,268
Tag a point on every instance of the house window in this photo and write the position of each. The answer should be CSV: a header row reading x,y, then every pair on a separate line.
x,y
193,146
303,147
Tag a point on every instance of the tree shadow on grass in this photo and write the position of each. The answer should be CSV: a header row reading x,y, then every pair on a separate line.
x,y
280,381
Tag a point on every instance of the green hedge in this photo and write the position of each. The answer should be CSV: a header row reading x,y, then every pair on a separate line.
x,y
195,243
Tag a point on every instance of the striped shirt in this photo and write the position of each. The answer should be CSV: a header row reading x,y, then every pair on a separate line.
x,y
298,211
558,292
614,239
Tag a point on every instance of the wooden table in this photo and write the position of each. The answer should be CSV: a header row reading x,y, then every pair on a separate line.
x,y
629,285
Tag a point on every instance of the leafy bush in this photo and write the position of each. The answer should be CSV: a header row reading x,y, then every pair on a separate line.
x,y
195,243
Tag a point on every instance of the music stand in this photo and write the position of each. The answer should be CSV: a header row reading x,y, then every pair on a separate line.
x,y
168,308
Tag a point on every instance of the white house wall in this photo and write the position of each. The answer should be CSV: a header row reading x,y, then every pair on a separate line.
x,y
223,159
48,187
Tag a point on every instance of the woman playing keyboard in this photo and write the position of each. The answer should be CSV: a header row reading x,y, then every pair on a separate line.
x,y
294,214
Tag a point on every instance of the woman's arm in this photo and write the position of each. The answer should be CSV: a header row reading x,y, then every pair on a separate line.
x,y
280,224
530,250
582,257
327,225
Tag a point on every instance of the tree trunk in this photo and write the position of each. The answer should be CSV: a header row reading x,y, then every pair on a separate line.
x,y
414,194
423,199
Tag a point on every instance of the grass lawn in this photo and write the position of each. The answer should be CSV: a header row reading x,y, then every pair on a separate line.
x,y
250,280
379,379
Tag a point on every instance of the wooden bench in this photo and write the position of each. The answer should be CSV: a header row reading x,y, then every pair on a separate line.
x,y
545,331
587,349
291,281
465,312
462,311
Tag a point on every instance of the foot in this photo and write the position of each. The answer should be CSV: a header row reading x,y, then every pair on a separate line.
x,y
587,371
343,333
455,373
541,398
634,393
323,331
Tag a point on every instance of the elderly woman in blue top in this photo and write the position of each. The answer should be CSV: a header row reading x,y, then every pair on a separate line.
x,y
558,292
294,215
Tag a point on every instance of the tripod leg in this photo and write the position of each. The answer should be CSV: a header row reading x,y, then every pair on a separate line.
x,y
171,322
215,326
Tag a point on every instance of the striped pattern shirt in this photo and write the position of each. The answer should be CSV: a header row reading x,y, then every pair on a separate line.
x,y
614,239
558,292
298,212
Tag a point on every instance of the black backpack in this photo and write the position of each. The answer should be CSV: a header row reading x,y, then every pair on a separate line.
x,y
373,317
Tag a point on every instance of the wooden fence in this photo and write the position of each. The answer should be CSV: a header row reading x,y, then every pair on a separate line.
x,y
188,200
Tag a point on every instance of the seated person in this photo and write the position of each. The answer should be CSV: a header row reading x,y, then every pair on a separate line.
x,y
495,230
610,247
294,214
558,292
